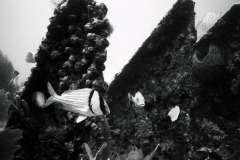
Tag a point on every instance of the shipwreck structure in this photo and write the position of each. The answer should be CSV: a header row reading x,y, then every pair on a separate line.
x,y
202,78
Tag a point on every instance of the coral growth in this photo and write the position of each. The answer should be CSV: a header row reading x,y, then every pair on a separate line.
x,y
8,145
160,71
8,75
71,56
72,48
8,137
4,106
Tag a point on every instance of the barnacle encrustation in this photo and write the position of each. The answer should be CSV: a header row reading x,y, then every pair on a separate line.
x,y
76,40
55,54
100,85
101,57
67,64
92,71
68,50
72,58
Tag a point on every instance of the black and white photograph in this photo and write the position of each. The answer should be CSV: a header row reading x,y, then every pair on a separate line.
x,y
120,80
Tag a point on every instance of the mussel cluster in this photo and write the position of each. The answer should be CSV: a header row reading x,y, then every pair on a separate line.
x,y
72,54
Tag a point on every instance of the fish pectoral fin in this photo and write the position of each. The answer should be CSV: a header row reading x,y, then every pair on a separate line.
x,y
84,108
130,99
80,118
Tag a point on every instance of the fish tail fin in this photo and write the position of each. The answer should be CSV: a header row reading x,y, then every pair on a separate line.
x,y
51,91
49,101
53,94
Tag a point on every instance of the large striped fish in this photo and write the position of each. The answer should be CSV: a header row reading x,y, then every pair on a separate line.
x,y
86,102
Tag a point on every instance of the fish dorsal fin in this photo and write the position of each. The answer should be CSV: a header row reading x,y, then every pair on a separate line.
x,y
139,95
80,118
130,99
78,91
51,90
130,96
135,98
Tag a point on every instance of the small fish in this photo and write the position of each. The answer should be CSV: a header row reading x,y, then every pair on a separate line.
x,y
86,102
29,58
38,99
138,99
64,4
174,113
14,80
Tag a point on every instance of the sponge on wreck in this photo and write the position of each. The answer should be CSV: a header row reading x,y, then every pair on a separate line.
x,y
209,68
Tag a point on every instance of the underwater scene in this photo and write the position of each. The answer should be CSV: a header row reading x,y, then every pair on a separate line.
x,y
176,98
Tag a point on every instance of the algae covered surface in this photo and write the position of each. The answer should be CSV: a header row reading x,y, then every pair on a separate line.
x,y
171,69
71,56
161,70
